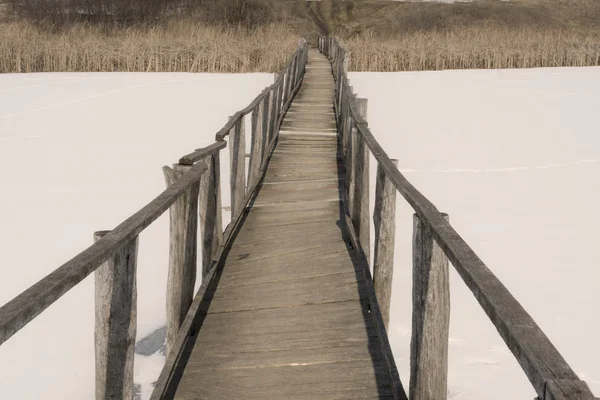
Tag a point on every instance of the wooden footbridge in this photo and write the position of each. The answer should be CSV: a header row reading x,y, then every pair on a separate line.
x,y
288,308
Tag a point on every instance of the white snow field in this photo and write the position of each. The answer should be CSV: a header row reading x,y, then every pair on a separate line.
x,y
511,155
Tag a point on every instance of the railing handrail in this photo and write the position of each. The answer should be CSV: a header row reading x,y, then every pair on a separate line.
x,y
224,131
26,306
21,310
547,370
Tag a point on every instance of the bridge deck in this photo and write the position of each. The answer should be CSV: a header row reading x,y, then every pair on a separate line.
x,y
289,318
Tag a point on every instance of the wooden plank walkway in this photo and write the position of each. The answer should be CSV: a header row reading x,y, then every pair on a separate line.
x,y
289,316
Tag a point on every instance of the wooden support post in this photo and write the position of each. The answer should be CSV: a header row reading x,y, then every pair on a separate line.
x,y
182,253
431,317
346,63
211,222
346,126
296,65
275,111
256,144
361,218
237,158
288,83
384,218
266,126
351,168
280,98
293,68
116,322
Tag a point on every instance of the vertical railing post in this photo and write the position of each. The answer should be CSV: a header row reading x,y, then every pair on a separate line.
x,y
346,124
116,322
293,69
237,160
182,253
384,221
360,216
256,144
297,67
342,115
431,317
274,114
267,111
288,83
211,220
280,97
351,168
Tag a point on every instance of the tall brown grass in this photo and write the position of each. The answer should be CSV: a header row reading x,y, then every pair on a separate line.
x,y
176,46
475,48
381,36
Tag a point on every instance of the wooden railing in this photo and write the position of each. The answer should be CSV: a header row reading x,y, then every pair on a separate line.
x,y
434,243
193,194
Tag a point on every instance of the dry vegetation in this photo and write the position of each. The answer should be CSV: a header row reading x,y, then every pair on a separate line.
x,y
484,34
178,46
475,48
258,35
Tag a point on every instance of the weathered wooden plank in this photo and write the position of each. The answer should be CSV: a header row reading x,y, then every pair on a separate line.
x,y
431,317
209,361
333,391
279,197
329,185
183,217
328,316
116,322
300,375
309,290
347,380
287,249
233,342
255,233
312,159
333,236
249,273
295,214
384,218
296,175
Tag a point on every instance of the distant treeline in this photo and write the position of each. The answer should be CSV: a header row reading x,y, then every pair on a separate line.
x,y
126,12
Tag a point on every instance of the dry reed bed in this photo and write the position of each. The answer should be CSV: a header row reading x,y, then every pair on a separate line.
x,y
475,48
186,46
178,46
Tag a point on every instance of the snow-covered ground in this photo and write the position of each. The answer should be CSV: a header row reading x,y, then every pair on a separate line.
x,y
512,156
